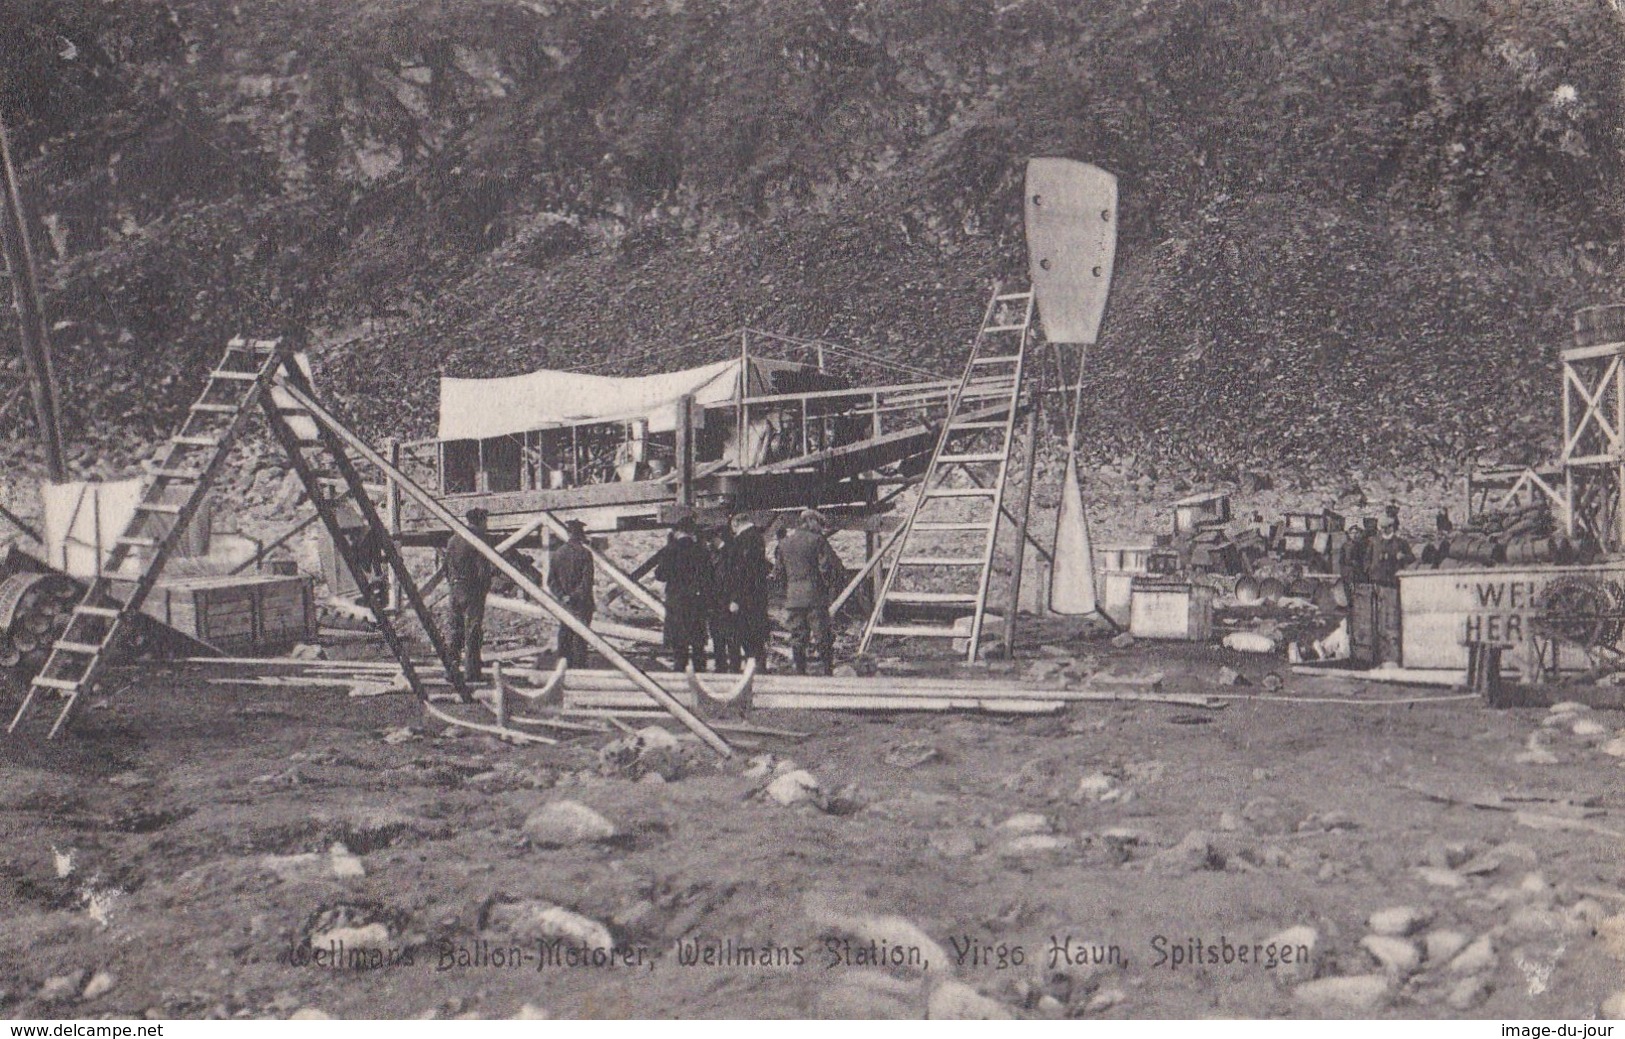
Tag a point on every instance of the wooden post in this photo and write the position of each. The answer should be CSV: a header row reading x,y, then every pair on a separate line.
x,y
392,516
685,450
1031,466
744,390
32,327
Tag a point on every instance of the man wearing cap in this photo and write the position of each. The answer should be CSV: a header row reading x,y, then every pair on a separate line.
x,y
807,563
569,578
744,570
468,573
684,565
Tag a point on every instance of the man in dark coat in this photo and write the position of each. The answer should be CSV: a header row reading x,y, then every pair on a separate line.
x,y
1390,554
809,565
746,571
720,610
569,578
685,568
468,573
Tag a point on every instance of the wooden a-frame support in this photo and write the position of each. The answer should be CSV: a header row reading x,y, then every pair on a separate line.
x,y
337,437
294,448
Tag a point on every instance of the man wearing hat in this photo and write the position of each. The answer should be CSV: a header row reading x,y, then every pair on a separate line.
x,y
684,565
744,570
468,573
569,578
808,563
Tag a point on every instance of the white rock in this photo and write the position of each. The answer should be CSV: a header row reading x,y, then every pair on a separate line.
x,y
957,1001
1398,921
794,788
367,936
100,984
882,930
1535,756
1613,1008
657,738
1249,642
1588,727
1026,822
1533,884
563,823
61,986
1443,943
1615,747
1568,707
1096,786
1035,844
1395,955
1295,938
1468,993
760,767
528,921
530,1012
308,1014
345,865
1439,877
1105,999
1360,992
1479,955
1049,1008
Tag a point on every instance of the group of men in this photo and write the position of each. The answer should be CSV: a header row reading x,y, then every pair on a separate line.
x,y
1375,560
717,587
1371,566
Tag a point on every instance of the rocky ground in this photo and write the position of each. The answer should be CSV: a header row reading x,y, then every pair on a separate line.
x,y
193,846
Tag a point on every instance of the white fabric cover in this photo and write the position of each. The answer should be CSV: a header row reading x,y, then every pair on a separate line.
x,y
475,409
1072,576
81,518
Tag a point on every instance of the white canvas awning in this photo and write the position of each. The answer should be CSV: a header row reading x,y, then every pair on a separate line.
x,y
476,409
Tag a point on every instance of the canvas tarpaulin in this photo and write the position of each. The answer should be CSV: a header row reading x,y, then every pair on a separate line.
x,y
475,409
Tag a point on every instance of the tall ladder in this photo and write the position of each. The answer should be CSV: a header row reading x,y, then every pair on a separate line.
x,y
180,482
944,561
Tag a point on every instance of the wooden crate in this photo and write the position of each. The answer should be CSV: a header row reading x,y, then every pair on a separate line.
x,y
240,613
1160,609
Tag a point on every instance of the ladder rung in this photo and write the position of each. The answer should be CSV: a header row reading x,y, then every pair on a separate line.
x,y
932,598
253,346
985,456
218,409
176,474
1014,297
952,526
221,373
976,425
940,561
193,441
960,492
160,506
86,648
1005,328
65,684
96,611
919,631
997,359
136,542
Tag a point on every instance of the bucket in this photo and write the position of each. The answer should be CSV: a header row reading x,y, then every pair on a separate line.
x,y
1271,589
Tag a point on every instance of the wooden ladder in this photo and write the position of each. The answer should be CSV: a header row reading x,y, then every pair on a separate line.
x,y
180,482
944,561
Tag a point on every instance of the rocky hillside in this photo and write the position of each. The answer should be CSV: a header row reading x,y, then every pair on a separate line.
x,y
1352,234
